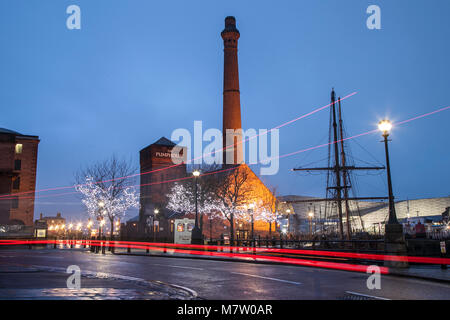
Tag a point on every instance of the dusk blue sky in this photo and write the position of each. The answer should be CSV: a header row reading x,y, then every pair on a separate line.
x,y
137,70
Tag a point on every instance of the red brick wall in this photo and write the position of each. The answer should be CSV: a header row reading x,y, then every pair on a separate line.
x,y
27,175
152,190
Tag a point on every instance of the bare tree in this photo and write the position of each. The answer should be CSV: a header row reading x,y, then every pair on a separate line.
x,y
114,178
232,189
271,204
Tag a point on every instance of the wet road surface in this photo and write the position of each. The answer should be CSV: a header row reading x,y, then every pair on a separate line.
x,y
230,280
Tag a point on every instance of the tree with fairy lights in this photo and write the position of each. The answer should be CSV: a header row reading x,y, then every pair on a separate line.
x,y
269,207
182,199
106,190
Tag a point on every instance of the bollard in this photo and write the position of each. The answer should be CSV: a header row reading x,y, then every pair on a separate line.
x,y
54,244
97,246
128,249
281,241
443,252
443,266
103,245
165,249
147,250
29,245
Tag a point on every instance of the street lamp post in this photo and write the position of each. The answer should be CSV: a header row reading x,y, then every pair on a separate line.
x,y
385,127
196,232
310,216
393,233
250,211
155,212
101,204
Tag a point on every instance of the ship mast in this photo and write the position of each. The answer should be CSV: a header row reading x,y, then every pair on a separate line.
x,y
337,167
344,174
340,170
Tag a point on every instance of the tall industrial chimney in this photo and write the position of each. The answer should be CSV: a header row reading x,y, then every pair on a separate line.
x,y
231,95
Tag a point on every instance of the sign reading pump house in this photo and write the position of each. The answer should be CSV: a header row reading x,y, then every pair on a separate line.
x,y
183,230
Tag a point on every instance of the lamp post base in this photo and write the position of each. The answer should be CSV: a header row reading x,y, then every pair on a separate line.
x,y
197,236
394,245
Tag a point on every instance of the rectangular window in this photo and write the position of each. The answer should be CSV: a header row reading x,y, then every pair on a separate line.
x,y
16,183
15,203
19,148
17,164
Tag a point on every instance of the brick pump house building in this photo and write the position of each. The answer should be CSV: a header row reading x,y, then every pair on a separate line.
x,y
156,168
156,181
18,161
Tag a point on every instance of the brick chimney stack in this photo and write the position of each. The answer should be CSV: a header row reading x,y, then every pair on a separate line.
x,y
231,95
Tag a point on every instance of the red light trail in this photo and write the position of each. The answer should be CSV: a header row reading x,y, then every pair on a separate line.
x,y
190,250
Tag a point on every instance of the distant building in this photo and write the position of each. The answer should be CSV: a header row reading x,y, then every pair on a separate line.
x,y
371,217
18,161
55,225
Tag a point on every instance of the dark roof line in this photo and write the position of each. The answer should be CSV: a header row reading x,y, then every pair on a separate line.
x,y
15,133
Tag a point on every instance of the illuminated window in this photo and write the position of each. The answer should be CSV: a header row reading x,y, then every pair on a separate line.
x,y
19,148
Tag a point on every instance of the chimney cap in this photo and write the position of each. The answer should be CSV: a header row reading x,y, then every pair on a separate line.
x,y
230,21
230,25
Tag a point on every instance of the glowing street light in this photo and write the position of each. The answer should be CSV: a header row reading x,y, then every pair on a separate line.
x,y
393,231
385,127
196,236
